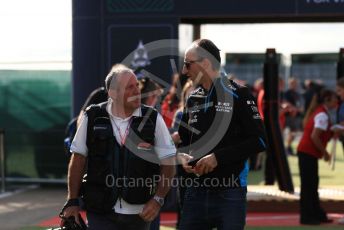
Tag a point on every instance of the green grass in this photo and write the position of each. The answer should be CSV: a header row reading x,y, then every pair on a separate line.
x,y
22,164
327,176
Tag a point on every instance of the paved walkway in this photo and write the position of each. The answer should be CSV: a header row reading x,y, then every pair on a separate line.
x,y
29,206
169,219
39,206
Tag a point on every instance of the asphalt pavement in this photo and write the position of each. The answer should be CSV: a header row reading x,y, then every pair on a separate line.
x,y
29,205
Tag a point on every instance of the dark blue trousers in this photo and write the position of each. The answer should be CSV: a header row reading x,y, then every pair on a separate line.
x,y
115,221
206,209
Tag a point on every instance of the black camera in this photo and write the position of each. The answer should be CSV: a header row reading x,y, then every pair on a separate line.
x,y
70,224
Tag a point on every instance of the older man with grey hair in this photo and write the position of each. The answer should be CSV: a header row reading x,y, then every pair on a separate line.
x,y
121,147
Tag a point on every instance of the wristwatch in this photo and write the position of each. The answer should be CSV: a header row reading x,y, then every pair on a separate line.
x,y
159,199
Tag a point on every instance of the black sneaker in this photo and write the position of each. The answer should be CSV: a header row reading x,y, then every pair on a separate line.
x,y
310,222
326,221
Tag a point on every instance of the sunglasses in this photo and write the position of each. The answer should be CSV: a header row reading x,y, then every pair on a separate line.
x,y
187,64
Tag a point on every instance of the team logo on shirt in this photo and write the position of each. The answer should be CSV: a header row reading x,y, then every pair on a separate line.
x,y
223,107
232,87
256,116
193,119
254,109
323,122
144,146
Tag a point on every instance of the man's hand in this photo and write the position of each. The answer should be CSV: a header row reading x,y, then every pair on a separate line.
x,y
184,159
175,137
326,156
71,211
150,210
337,131
206,164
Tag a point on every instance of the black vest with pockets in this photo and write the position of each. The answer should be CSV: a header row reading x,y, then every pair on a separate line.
x,y
119,172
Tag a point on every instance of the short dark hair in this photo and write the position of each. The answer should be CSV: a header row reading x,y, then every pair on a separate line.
x,y
340,82
207,49
149,87
325,95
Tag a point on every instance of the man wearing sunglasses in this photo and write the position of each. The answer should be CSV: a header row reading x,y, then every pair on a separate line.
x,y
220,129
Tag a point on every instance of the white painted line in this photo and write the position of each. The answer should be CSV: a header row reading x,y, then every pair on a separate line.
x,y
27,188
286,217
168,221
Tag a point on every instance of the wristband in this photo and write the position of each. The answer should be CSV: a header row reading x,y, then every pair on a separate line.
x,y
69,203
72,202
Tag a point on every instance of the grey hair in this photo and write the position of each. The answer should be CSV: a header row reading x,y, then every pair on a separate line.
x,y
116,71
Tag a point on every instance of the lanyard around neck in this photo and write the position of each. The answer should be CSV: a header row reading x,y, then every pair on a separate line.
x,y
123,137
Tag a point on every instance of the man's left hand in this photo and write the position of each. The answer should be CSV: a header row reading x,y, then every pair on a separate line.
x,y
206,164
150,210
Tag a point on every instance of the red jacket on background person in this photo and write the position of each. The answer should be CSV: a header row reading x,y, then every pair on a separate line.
x,y
306,144
168,109
260,105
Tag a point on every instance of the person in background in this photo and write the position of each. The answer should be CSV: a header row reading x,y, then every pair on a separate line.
x,y
256,161
311,148
294,115
311,88
313,91
340,118
170,103
340,111
188,88
150,92
150,95
284,107
97,96
258,85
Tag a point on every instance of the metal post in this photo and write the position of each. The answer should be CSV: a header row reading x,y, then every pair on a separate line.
x,y
340,64
276,152
2,159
